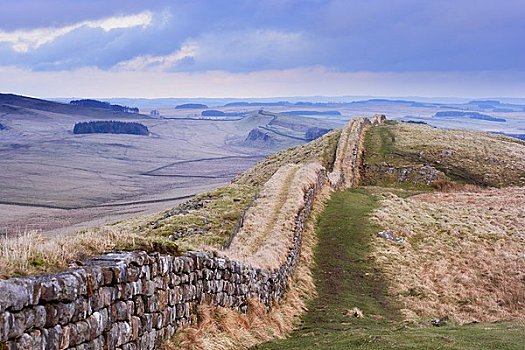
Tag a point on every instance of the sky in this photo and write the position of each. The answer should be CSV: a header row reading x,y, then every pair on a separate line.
x,y
262,48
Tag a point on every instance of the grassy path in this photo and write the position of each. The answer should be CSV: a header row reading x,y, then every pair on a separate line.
x,y
346,278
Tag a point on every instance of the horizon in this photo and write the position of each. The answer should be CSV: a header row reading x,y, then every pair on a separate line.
x,y
220,49
294,99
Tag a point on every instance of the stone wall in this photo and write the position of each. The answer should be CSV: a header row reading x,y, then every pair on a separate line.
x,y
135,300
347,162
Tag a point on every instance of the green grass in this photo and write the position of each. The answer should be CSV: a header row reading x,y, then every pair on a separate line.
x,y
381,153
346,277
209,218
379,141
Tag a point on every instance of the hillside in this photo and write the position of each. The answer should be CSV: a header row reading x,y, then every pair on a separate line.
x,y
448,252
206,220
16,104
421,154
415,227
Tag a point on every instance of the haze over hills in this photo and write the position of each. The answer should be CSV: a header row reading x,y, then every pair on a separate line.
x,y
176,157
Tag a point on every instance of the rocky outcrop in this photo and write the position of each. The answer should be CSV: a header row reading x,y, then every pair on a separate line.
x,y
417,174
315,133
258,138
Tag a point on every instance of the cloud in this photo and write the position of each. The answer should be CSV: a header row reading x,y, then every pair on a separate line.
x,y
235,51
25,40
158,63
240,36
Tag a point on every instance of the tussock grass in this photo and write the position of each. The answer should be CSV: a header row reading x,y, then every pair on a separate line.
x,y
222,328
462,256
269,224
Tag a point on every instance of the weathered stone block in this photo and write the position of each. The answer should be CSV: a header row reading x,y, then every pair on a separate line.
x,y
65,312
98,322
54,337
139,305
120,311
135,328
83,332
145,272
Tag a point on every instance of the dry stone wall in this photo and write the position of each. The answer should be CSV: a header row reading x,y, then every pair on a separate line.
x,y
345,172
136,300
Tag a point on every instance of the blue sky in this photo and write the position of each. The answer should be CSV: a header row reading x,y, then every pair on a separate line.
x,y
242,48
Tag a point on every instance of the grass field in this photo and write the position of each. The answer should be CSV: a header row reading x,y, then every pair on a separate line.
x,y
346,276
462,254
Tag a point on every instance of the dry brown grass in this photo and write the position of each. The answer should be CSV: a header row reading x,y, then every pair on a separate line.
x,y
480,157
33,253
269,224
463,254
222,328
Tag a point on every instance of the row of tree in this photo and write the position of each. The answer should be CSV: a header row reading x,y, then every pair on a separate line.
x,y
104,105
110,127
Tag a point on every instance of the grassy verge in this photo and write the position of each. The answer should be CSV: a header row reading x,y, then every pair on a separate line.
x,y
346,277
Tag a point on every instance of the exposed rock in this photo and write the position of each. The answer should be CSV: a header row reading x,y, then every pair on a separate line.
x,y
314,133
389,235
416,174
258,138
438,322
355,312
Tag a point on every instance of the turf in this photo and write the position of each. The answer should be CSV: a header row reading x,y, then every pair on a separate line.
x,y
346,278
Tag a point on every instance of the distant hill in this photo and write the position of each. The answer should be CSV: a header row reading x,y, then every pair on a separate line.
x,y
16,104
191,106
104,105
217,113
516,136
258,104
297,113
110,127
471,115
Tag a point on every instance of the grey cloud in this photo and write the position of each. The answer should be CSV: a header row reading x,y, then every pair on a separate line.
x,y
373,35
